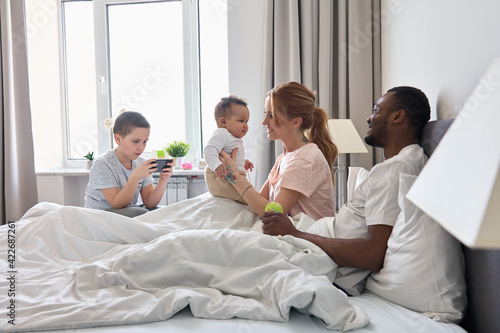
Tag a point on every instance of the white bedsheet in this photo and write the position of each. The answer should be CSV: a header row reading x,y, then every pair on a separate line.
x,y
385,317
78,267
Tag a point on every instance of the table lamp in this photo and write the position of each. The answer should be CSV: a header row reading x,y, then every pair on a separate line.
x,y
348,141
459,186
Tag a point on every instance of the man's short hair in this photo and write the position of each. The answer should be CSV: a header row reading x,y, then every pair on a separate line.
x,y
127,121
223,108
415,104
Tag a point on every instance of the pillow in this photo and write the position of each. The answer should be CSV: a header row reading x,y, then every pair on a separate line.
x,y
356,176
423,267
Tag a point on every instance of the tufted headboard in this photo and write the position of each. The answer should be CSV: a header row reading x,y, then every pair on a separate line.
x,y
482,267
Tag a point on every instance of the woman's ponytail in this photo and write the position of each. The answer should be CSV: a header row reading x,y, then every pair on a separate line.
x,y
320,135
295,100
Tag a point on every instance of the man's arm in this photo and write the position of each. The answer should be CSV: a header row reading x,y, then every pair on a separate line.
x,y
365,253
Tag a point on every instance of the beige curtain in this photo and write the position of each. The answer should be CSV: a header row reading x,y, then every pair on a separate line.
x,y
18,181
298,47
358,84
332,47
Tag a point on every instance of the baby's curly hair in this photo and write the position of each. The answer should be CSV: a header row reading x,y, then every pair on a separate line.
x,y
223,108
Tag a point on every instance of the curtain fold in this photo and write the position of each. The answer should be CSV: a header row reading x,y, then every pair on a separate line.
x,y
333,48
359,52
297,47
18,181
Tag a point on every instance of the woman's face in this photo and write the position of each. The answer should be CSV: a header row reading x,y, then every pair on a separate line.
x,y
274,129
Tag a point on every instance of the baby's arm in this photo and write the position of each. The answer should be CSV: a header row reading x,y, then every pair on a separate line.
x,y
248,165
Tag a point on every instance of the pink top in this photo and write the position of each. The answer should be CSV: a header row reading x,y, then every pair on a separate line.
x,y
305,170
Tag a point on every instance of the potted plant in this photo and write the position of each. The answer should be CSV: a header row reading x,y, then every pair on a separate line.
x,y
90,159
177,150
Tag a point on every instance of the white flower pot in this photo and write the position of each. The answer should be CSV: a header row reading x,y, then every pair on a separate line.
x,y
178,162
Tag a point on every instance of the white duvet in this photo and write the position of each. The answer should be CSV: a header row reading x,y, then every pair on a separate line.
x,y
78,267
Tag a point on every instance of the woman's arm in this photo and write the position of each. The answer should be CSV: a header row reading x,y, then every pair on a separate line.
x,y
253,198
264,191
257,201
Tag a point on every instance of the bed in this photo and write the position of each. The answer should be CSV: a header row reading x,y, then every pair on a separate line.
x,y
204,265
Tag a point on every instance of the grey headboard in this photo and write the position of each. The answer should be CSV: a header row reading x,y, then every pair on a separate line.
x,y
482,267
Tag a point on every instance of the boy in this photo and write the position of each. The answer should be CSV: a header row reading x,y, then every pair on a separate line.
x,y
118,176
231,115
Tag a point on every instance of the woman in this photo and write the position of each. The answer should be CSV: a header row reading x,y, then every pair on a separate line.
x,y
302,177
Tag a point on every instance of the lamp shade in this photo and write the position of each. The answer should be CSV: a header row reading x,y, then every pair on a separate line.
x,y
460,185
345,136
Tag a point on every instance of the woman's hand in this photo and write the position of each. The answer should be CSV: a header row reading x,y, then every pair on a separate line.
x,y
229,161
220,171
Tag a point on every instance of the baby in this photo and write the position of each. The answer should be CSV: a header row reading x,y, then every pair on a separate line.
x,y
231,115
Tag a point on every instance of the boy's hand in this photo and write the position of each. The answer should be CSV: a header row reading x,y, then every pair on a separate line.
x,y
220,171
145,169
167,172
248,165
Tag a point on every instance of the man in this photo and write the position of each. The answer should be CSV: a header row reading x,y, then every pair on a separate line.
x,y
363,225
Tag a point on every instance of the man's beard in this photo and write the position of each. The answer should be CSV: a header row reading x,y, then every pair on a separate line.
x,y
377,137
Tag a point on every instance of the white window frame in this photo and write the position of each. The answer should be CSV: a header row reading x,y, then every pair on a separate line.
x,y
67,162
104,111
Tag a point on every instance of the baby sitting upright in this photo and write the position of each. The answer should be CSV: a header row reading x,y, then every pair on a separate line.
x,y
231,115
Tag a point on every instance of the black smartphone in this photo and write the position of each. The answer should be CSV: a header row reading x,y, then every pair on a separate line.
x,y
162,164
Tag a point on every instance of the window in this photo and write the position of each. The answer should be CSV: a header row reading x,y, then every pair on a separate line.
x,y
79,90
149,56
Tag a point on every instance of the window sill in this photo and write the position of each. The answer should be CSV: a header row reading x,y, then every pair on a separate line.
x,y
77,172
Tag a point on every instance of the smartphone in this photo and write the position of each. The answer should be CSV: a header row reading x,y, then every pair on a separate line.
x,y
162,164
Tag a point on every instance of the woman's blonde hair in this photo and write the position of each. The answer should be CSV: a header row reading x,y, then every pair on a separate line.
x,y
295,100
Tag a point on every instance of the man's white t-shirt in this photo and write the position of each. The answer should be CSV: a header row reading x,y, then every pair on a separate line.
x,y
375,201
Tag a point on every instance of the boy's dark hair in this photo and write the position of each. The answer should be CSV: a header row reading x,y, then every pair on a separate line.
x,y
223,108
415,104
127,121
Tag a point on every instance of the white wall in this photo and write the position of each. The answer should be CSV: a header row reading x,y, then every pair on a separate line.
x,y
440,46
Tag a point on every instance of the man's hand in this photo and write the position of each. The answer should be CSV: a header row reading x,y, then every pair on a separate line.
x,y
275,224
